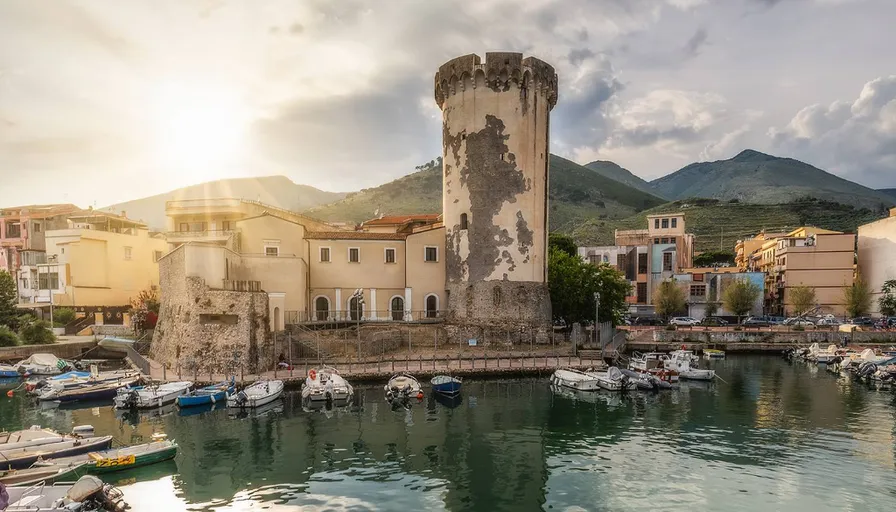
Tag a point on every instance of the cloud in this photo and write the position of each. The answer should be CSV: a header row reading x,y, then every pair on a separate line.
x,y
854,140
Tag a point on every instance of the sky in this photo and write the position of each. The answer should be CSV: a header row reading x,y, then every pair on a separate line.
x,y
102,102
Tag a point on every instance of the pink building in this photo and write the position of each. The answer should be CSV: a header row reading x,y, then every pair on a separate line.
x,y
22,229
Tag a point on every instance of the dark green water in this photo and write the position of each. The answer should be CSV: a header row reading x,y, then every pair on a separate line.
x,y
772,437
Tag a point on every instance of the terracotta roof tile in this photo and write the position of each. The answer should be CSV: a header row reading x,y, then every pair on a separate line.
x,y
401,219
353,235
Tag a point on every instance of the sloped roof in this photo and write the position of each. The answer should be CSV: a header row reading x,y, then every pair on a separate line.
x,y
353,235
392,220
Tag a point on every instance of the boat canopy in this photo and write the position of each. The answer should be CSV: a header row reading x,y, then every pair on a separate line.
x,y
41,359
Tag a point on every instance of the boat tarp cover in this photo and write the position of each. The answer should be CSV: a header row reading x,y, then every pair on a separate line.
x,y
442,379
614,373
41,359
86,487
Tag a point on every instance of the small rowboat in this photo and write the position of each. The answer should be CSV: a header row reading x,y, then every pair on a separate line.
x,y
119,459
8,372
48,473
25,457
258,394
403,386
711,353
148,397
446,384
207,395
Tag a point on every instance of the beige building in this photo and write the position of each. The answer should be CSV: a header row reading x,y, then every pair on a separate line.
x,y
744,249
877,254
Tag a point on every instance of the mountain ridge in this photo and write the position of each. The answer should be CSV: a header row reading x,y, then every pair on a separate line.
x,y
616,172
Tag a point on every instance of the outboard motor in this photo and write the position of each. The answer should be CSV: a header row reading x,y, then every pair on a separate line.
x,y
132,399
242,398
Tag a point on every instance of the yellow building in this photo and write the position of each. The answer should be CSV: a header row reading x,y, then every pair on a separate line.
x,y
100,260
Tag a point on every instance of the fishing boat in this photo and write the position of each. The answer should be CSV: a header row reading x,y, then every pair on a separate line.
x,y
207,395
18,458
258,394
653,363
326,384
403,386
686,369
76,379
711,353
119,459
88,494
446,385
36,436
613,380
8,372
86,393
149,397
46,473
689,354
42,364
646,381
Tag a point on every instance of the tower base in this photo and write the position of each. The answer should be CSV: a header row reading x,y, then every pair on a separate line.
x,y
499,303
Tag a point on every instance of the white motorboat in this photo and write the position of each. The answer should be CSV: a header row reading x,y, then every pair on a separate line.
x,y
148,397
257,394
653,363
89,493
575,379
42,364
613,380
9,372
403,386
689,354
683,364
326,384
823,356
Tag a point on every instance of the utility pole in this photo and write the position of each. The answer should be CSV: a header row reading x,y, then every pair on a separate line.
x,y
597,322
358,297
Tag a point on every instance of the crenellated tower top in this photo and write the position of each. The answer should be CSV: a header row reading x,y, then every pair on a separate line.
x,y
500,72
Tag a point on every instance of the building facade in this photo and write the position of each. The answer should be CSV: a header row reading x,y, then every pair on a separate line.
x,y
495,152
877,254
22,229
705,286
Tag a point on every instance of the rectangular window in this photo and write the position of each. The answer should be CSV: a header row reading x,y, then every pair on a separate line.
x,y
48,281
642,263
184,227
656,240
37,227
199,227
390,255
431,254
13,230
698,277
127,253
674,222
642,293
672,240
698,290
665,223
620,261
354,255
656,223
325,254
664,241
225,225
272,251
667,262
594,259
156,255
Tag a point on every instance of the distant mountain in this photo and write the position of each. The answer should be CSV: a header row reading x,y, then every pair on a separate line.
x,y
615,172
277,191
754,177
888,191
576,194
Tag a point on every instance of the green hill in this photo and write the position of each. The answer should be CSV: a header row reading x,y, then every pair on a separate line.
x,y
755,177
717,224
622,175
889,191
576,195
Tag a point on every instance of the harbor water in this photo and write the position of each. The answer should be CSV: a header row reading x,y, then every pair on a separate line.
x,y
770,436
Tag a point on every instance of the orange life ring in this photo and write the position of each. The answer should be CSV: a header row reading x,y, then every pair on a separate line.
x,y
312,374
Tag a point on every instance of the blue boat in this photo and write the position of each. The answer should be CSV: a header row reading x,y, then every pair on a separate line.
x,y
207,395
8,372
446,385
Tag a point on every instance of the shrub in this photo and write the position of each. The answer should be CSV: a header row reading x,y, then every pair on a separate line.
x,y
38,333
8,337
63,315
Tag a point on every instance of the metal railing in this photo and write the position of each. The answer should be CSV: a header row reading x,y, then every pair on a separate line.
x,y
206,233
342,316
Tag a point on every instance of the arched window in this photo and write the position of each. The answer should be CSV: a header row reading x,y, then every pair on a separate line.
x,y
397,307
321,309
355,308
432,306
606,259
496,297
276,319
463,221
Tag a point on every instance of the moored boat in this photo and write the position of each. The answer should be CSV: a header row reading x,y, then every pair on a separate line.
x,y
207,395
326,384
89,493
24,457
119,459
653,363
86,393
42,364
403,386
711,353
46,473
646,381
148,397
446,384
8,372
257,394
575,379
684,365
614,380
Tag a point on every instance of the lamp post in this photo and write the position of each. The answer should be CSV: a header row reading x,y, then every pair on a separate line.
x,y
597,323
358,297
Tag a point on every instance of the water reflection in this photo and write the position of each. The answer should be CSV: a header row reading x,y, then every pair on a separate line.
x,y
768,436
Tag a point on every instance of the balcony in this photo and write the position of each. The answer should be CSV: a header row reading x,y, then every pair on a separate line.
x,y
214,235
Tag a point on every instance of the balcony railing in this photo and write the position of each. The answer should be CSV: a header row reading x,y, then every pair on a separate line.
x,y
302,317
202,234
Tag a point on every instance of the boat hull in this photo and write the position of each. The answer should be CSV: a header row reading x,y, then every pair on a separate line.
x,y
28,458
110,465
254,396
575,381
697,374
451,387
200,400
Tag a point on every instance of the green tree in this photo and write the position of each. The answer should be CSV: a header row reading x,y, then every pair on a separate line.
x,y
63,316
740,296
37,333
714,259
8,337
9,297
887,300
563,242
669,298
802,298
857,298
573,283
712,302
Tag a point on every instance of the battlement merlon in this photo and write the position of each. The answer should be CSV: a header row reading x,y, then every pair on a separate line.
x,y
500,71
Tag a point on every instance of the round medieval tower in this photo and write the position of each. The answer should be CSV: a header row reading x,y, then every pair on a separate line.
x,y
495,152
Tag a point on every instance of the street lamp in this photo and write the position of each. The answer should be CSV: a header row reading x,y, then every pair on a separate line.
x,y
358,299
597,322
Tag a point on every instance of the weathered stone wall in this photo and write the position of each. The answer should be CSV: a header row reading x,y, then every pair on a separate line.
x,y
214,330
495,124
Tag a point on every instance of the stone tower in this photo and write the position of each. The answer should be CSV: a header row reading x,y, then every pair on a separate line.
x,y
495,151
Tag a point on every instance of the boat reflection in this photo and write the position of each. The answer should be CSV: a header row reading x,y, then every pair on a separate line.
x,y
593,397
135,416
447,401
273,408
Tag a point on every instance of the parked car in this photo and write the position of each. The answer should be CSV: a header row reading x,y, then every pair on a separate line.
x,y
713,321
684,320
863,321
775,320
647,320
756,321
831,322
802,322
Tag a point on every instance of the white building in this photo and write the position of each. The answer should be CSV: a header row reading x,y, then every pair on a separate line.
x,y
877,253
